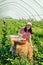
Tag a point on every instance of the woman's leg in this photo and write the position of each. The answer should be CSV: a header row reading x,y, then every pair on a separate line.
x,y
13,44
12,39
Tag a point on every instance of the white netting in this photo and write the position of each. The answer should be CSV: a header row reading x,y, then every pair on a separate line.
x,y
18,9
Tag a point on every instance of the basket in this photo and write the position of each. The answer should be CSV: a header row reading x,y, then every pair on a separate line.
x,y
22,42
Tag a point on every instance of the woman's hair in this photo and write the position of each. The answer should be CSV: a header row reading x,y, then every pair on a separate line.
x,y
30,30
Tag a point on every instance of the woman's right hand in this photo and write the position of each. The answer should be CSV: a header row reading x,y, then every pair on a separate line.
x,y
20,34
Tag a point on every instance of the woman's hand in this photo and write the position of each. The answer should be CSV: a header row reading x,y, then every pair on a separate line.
x,y
31,45
20,34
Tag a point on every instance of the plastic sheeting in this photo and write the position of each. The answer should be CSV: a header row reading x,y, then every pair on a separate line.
x,y
18,9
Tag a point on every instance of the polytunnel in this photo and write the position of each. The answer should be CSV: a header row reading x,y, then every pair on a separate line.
x,y
21,9
21,32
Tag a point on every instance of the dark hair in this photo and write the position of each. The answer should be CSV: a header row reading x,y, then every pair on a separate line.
x,y
30,30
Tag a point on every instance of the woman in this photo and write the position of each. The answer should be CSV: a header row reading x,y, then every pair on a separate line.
x,y
25,33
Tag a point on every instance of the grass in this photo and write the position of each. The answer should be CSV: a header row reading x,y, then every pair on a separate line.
x,y
12,27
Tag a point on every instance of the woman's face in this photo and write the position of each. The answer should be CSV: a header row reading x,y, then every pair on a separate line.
x,y
28,26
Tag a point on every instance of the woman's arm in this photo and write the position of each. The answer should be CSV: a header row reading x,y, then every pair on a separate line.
x,y
20,32
30,40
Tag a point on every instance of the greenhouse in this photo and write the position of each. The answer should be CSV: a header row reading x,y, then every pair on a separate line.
x,y
21,32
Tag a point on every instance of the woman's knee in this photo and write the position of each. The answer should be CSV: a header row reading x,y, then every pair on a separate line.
x,y
11,37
